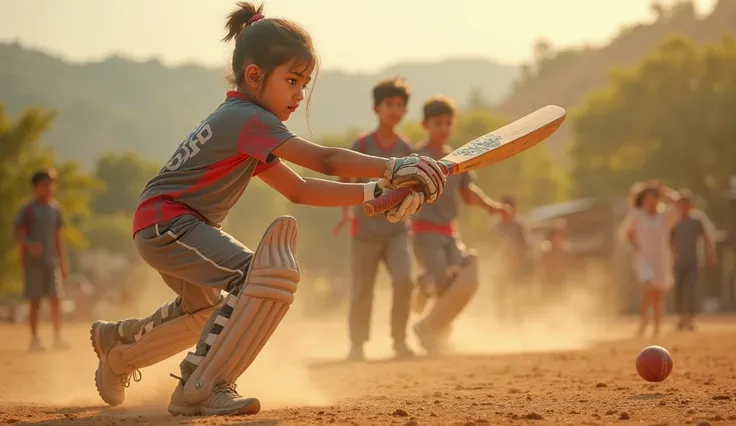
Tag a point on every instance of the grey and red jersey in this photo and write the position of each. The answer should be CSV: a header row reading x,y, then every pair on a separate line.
x,y
439,217
377,227
210,169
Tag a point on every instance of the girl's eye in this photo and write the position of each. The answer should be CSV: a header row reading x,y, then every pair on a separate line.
x,y
291,81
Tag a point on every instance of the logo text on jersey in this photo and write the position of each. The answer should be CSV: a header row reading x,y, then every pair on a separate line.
x,y
190,147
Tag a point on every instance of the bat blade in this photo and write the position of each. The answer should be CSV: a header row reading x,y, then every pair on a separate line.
x,y
485,150
507,141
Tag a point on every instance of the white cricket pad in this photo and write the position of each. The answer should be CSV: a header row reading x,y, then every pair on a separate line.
x,y
257,310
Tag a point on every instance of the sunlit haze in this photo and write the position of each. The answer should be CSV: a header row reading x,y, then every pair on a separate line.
x,y
350,35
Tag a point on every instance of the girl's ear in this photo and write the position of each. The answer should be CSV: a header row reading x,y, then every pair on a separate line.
x,y
253,77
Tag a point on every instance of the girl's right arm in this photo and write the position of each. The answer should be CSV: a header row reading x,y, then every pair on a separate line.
x,y
331,161
316,192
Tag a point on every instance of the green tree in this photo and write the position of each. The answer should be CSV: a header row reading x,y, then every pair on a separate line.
x,y
670,117
20,157
124,175
111,232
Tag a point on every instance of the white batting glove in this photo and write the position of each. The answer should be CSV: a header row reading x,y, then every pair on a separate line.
x,y
408,207
425,172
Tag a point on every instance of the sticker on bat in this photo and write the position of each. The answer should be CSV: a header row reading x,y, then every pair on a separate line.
x,y
482,145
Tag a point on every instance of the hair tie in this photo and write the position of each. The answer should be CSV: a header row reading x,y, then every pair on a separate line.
x,y
257,17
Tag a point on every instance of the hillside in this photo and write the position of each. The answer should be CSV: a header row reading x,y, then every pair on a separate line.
x,y
572,73
119,104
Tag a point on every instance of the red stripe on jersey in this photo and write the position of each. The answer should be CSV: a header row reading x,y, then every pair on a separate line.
x,y
238,95
422,226
256,139
164,207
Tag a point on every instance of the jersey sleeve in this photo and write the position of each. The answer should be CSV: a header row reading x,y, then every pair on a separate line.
x,y
260,135
20,218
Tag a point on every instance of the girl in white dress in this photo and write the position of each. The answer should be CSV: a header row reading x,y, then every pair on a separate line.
x,y
647,228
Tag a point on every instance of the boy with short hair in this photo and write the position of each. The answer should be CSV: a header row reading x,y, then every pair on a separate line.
x,y
374,239
684,237
450,269
38,227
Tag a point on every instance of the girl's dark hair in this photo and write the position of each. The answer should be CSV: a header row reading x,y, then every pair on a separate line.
x,y
267,42
640,190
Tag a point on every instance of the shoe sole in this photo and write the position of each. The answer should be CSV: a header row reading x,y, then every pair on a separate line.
x,y
94,337
251,406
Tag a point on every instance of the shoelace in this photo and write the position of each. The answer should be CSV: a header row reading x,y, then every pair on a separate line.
x,y
228,388
135,375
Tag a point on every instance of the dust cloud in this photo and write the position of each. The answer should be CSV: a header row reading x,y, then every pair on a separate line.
x,y
282,375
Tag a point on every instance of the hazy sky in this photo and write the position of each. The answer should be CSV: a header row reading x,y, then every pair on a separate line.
x,y
349,34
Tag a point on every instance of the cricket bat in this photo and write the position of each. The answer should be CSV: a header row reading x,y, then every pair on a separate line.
x,y
485,150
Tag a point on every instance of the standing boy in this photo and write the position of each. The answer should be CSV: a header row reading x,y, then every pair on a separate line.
x,y
38,232
450,270
684,238
374,239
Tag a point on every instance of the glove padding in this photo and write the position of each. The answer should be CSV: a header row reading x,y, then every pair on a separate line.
x,y
424,172
411,204
408,207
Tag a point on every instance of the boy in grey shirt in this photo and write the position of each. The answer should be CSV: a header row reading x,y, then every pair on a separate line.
x,y
684,238
38,227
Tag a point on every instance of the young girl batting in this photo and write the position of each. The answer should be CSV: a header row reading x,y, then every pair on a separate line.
x,y
647,229
176,226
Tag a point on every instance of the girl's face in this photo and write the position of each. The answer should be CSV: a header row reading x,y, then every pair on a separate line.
x,y
284,89
650,201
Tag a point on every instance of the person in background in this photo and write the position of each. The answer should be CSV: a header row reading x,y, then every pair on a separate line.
x,y
646,228
450,269
38,227
376,240
513,251
685,236
556,261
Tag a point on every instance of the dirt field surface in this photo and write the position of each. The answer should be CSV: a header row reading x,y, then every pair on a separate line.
x,y
585,384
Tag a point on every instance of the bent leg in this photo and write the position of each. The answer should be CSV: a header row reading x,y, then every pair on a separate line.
x,y
240,328
125,346
454,295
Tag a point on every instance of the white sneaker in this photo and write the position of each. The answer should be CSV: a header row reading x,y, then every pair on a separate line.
x,y
223,401
110,385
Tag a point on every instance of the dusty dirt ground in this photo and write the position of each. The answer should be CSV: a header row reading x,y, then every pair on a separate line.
x,y
564,367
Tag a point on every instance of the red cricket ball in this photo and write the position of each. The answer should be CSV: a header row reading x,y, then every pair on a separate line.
x,y
654,363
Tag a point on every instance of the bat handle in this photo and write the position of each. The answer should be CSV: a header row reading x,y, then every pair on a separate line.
x,y
386,201
392,199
